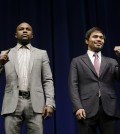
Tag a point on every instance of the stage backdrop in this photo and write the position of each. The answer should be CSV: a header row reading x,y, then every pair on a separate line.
x,y
59,27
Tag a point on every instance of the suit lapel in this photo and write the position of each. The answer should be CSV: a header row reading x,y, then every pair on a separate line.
x,y
31,58
15,60
103,64
88,62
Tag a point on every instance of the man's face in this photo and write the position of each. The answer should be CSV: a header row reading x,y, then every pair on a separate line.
x,y
24,33
96,41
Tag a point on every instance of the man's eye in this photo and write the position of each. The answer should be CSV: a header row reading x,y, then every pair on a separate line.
x,y
28,29
20,29
95,36
101,37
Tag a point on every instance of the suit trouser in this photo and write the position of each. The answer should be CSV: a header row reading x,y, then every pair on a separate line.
x,y
106,124
24,112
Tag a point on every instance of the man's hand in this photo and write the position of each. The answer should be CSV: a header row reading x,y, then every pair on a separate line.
x,y
4,58
80,114
47,111
117,50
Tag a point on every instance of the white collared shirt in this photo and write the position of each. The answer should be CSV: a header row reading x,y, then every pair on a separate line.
x,y
91,53
23,55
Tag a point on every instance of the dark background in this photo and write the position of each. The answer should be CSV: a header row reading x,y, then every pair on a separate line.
x,y
59,27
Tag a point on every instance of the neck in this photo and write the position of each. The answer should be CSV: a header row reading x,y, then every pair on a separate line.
x,y
23,43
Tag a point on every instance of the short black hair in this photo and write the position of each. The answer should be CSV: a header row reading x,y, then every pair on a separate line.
x,y
90,31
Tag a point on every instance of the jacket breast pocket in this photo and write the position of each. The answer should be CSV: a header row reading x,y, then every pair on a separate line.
x,y
85,96
113,96
37,63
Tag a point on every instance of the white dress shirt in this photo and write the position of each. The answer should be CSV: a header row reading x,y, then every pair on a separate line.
x,y
23,55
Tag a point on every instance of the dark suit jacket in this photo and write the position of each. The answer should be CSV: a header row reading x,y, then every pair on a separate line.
x,y
84,85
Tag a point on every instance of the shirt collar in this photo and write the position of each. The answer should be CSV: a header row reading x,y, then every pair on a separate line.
x,y
20,46
91,53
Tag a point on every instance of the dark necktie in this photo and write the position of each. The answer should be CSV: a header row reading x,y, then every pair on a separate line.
x,y
96,63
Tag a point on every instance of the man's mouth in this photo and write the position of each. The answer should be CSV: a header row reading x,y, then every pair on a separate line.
x,y
24,35
98,44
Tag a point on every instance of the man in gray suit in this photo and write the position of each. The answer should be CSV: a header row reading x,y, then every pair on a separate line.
x,y
29,91
92,90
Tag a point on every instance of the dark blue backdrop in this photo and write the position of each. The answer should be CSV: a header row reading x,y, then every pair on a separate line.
x,y
59,27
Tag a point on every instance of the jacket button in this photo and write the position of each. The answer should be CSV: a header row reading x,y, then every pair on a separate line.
x,y
97,94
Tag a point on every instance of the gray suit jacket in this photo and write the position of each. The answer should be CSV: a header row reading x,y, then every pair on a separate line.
x,y
40,81
84,85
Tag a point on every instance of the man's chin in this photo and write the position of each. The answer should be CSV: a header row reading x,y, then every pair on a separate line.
x,y
97,50
25,42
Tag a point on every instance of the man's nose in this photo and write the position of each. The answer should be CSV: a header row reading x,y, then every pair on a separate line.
x,y
99,39
25,30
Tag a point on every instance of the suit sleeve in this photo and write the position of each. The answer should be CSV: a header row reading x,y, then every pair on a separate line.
x,y
1,67
73,84
47,81
117,69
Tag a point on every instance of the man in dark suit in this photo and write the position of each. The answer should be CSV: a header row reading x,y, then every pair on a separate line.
x,y
91,84
29,91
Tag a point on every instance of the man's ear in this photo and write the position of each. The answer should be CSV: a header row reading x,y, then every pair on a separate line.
x,y
86,41
15,35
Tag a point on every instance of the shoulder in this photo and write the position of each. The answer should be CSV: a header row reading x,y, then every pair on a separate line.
x,y
39,50
79,57
109,59
40,53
